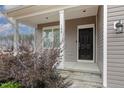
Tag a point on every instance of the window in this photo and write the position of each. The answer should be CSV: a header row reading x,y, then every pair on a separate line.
x,y
56,33
51,37
47,38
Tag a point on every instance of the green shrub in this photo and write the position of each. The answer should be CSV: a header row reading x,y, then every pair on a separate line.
x,y
10,85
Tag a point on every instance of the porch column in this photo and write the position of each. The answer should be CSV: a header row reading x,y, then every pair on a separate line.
x,y
16,38
62,37
35,29
16,35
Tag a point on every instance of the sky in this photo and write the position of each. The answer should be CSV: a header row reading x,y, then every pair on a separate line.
x,y
6,27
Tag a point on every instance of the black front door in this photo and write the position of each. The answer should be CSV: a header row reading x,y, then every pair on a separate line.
x,y
85,50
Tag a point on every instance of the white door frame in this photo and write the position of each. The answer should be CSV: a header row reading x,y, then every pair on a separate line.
x,y
86,26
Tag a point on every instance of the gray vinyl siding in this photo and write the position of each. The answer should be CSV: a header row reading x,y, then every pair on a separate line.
x,y
70,35
115,48
100,38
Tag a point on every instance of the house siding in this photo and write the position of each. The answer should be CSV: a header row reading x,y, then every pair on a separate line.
x,y
99,38
115,44
71,35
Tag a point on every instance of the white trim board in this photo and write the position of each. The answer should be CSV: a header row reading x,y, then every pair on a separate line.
x,y
50,27
86,26
105,46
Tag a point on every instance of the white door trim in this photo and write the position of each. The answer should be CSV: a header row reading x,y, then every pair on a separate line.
x,y
86,26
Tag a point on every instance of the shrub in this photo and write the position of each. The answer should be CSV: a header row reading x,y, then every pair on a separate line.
x,y
33,69
10,85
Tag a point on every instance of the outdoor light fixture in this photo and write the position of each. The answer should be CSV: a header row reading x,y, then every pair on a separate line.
x,y
118,26
46,17
84,10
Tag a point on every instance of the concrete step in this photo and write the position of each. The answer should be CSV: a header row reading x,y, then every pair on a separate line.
x,y
81,67
81,79
84,84
83,71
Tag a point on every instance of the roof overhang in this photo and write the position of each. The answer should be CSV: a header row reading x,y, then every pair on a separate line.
x,y
33,15
10,8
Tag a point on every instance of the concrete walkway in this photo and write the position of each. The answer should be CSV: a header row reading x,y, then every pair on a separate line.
x,y
82,80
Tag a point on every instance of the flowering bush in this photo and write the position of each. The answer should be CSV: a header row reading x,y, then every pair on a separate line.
x,y
36,70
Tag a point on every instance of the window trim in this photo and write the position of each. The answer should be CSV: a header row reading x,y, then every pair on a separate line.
x,y
46,28
50,27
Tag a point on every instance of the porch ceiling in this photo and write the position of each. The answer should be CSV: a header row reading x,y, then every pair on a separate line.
x,y
33,15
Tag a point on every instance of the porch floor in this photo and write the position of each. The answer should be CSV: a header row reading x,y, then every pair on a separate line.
x,y
82,75
82,67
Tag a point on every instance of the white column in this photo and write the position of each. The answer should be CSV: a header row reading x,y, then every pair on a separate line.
x,y
62,37
105,47
35,38
16,34
16,38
